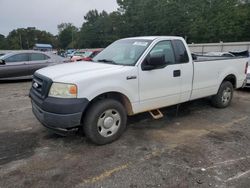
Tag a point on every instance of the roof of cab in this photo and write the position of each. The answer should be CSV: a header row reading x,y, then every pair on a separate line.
x,y
155,37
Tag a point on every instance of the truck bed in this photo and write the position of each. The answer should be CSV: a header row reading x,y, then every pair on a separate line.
x,y
209,72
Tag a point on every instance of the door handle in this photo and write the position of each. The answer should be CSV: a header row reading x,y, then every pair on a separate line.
x,y
131,77
177,73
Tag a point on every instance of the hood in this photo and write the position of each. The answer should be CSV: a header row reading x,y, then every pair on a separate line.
x,y
69,69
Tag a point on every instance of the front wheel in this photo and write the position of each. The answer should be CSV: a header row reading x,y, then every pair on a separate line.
x,y
105,121
224,96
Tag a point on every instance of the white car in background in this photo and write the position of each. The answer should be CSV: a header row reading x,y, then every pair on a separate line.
x,y
221,54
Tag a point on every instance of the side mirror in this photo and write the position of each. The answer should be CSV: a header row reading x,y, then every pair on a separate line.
x,y
2,62
194,56
154,61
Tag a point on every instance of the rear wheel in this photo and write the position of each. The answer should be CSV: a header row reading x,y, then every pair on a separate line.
x,y
224,96
105,121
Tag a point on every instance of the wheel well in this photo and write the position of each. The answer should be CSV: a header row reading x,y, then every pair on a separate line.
x,y
116,96
231,78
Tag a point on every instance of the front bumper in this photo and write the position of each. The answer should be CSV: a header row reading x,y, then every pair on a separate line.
x,y
58,114
56,121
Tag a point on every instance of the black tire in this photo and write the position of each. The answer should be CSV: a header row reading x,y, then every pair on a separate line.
x,y
94,114
220,100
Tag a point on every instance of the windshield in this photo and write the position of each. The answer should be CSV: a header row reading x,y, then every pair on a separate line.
x,y
123,52
5,56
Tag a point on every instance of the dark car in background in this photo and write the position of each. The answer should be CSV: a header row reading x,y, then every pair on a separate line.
x,y
23,64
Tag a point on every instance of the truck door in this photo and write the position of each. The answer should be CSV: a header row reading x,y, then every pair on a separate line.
x,y
186,63
160,87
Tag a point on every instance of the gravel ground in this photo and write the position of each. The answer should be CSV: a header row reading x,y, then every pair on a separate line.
x,y
196,146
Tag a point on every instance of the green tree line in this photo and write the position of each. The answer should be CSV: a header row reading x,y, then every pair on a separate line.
x,y
195,20
25,38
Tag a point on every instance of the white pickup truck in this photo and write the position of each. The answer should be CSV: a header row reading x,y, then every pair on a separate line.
x,y
130,76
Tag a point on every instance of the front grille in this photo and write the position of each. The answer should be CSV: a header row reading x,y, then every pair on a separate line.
x,y
40,85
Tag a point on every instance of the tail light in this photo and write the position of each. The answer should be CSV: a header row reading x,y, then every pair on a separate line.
x,y
246,68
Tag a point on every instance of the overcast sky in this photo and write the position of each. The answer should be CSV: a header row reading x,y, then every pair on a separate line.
x,y
47,14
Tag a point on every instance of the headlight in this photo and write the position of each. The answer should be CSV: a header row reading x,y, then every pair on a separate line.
x,y
61,90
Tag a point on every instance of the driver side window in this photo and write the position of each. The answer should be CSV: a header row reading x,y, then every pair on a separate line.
x,y
164,47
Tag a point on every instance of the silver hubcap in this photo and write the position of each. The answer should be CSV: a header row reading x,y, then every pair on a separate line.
x,y
226,95
108,123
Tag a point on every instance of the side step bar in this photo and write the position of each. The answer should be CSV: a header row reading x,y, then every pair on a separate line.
x,y
156,114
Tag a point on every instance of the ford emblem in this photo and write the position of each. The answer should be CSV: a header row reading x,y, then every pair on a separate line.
x,y
35,85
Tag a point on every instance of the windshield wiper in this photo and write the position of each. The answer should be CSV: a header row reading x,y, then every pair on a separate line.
x,y
107,61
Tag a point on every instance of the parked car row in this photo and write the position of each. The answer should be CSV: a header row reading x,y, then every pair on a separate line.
x,y
23,64
85,55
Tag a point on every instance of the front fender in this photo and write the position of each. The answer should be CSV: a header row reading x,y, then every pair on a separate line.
x,y
115,82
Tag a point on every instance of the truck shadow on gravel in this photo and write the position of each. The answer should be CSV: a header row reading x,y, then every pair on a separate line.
x,y
170,114
246,90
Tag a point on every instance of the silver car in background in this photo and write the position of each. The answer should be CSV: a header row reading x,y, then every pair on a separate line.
x,y
23,64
